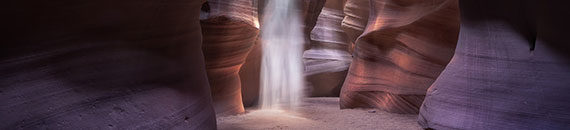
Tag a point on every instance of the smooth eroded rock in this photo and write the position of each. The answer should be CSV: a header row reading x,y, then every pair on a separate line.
x,y
103,65
230,28
355,20
327,59
511,69
405,46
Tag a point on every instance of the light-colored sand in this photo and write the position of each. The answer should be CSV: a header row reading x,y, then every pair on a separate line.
x,y
319,114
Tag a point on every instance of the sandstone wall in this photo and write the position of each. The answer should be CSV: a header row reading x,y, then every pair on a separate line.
x,y
403,49
510,69
230,28
103,64
327,60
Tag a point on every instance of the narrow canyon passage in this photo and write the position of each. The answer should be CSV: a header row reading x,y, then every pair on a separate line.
x,y
287,102
285,64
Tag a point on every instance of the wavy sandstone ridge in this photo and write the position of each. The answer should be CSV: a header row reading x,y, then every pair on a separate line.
x,y
511,69
355,19
404,47
310,10
327,60
103,64
229,29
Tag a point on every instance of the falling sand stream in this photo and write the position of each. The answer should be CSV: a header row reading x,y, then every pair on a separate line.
x,y
282,68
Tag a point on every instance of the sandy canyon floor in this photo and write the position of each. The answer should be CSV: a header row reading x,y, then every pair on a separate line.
x,y
319,114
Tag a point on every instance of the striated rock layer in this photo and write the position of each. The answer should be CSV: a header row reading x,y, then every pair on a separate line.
x,y
355,19
230,29
237,15
250,76
103,64
310,10
327,60
405,45
511,69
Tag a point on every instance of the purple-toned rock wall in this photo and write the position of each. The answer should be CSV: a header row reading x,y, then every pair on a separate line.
x,y
511,69
103,64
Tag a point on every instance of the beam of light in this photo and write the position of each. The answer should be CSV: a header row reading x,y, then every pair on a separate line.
x,y
281,68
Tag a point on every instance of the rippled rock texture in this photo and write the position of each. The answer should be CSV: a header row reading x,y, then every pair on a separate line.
x,y
327,60
230,29
405,46
103,64
511,69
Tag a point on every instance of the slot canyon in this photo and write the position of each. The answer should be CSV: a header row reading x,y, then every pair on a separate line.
x,y
285,64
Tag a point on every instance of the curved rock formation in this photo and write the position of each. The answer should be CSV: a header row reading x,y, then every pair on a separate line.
x,y
355,19
327,60
250,74
405,46
510,69
230,28
103,64
311,9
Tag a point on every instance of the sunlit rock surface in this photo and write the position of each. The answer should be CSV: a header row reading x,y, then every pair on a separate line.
x,y
327,60
511,69
405,46
230,28
103,64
